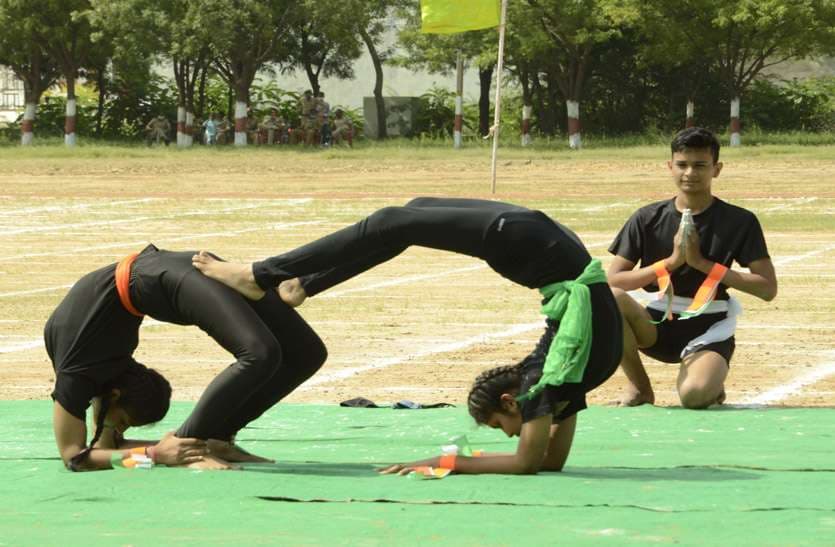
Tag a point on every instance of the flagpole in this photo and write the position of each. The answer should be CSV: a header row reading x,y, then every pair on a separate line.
x,y
499,69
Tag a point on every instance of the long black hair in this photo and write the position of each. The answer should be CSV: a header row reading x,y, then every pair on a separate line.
x,y
144,393
488,387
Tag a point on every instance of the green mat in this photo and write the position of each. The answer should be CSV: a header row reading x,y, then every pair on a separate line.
x,y
635,476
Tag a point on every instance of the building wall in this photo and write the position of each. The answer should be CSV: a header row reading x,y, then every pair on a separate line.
x,y
11,95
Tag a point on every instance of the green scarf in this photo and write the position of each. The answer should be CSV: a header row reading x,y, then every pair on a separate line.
x,y
568,302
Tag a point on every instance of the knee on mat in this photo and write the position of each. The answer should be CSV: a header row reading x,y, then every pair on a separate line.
x,y
696,396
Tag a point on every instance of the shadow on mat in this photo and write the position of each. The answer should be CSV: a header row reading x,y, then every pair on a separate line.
x,y
692,474
313,468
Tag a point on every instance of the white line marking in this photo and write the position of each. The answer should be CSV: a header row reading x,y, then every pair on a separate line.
x,y
39,343
63,208
35,291
794,387
410,279
227,233
22,346
131,220
442,348
402,281
600,207
792,203
795,258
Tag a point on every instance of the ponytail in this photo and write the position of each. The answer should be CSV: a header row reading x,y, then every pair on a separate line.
x,y
485,395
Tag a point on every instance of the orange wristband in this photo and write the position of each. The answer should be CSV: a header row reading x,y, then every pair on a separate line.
x,y
447,461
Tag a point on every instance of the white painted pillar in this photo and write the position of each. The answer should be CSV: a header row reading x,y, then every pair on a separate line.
x,y
27,127
189,133
736,126
459,121
526,124
69,123
573,108
240,123
691,118
181,126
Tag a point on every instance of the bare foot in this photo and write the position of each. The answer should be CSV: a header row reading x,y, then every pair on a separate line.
x,y
233,453
236,276
292,292
212,463
633,397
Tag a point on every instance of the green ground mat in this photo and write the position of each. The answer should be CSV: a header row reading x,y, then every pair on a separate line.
x,y
635,477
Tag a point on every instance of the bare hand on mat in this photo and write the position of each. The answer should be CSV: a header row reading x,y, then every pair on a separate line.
x,y
406,468
173,450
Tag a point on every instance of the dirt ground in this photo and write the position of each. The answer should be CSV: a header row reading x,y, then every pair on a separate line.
x,y
422,326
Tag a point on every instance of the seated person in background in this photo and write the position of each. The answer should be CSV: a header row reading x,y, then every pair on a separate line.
x,y
158,129
323,114
307,118
274,127
342,128
211,127
223,127
252,131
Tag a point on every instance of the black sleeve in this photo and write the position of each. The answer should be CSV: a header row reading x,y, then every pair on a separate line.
x,y
74,392
753,247
552,401
629,242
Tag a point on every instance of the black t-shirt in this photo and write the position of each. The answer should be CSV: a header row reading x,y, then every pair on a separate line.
x,y
561,402
90,337
727,233
533,250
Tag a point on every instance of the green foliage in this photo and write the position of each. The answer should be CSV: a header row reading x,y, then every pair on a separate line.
x,y
436,115
796,105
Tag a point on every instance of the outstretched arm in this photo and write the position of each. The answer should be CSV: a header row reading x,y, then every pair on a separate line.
x,y
530,456
71,438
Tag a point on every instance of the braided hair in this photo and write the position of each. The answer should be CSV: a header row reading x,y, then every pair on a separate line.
x,y
488,387
145,395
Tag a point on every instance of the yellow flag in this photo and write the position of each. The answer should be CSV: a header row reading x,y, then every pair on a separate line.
x,y
449,16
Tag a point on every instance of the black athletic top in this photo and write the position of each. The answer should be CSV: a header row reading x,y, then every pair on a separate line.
x,y
727,233
533,250
565,400
90,337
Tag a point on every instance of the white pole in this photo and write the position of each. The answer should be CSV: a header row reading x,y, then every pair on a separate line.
x,y
459,101
499,68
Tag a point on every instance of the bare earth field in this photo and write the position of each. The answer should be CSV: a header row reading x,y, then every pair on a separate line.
x,y
422,326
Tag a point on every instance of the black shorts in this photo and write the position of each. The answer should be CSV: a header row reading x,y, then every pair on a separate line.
x,y
606,348
673,336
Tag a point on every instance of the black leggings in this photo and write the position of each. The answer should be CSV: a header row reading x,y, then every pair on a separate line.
x,y
274,348
457,225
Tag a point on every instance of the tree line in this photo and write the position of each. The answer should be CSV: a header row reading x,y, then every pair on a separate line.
x,y
626,65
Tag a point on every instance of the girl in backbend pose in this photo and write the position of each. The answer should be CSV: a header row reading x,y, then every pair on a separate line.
x,y
93,333
537,399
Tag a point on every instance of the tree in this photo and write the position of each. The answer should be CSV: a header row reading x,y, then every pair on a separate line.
x,y
323,42
247,35
20,50
64,29
753,35
161,29
369,21
575,30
